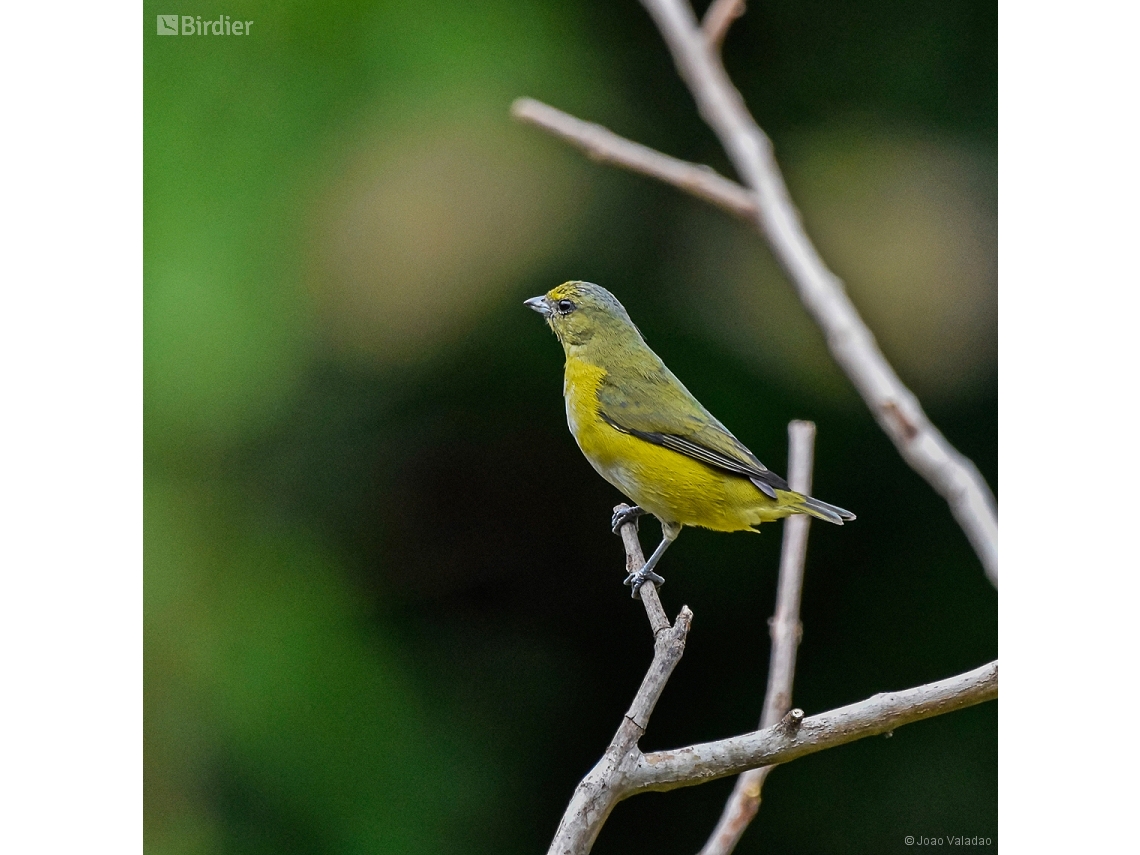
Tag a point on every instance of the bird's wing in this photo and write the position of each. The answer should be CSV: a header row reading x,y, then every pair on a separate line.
x,y
656,407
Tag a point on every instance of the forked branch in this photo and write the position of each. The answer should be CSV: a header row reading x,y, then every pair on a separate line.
x,y
718,18
600,790
625,771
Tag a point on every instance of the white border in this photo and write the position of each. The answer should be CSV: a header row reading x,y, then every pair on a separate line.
x,y
1069,320
71,385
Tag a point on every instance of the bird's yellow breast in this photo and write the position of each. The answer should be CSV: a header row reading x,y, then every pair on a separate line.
x,y
671,486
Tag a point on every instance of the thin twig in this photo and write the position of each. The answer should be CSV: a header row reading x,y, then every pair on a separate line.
x,y
634,561
718,18
601,789
786,631
771,211
686,767
604,146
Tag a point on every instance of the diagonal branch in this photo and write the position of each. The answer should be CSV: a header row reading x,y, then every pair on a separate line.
x,y
894,406
604,146
786,631
696,764
624,770
601,789
766,203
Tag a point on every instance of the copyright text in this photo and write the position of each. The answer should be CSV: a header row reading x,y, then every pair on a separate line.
x,y
947,840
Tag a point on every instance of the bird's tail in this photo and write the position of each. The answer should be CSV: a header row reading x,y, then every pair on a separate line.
x,y
824,511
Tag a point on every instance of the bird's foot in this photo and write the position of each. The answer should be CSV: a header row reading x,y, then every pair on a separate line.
x,y
636,580
622,517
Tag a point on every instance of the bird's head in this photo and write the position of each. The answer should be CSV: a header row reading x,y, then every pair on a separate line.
x,y
581,311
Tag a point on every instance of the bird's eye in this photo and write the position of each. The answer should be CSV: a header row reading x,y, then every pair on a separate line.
x,y
565,307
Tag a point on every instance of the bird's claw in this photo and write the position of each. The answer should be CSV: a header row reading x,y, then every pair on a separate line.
x,y
624,516
636,580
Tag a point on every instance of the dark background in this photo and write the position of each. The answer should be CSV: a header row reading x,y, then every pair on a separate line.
x,y
383,606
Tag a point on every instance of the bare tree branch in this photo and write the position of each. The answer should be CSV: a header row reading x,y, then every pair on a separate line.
x,y
634,561
598,792
718,18
786,631
771,211
894,406
624,770
685,767
605,146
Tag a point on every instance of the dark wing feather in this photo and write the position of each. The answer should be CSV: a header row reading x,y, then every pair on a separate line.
x,y
665,413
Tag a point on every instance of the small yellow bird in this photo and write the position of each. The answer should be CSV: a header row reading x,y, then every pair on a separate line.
x,y
645,433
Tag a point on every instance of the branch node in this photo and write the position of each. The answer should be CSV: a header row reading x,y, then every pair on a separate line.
x,y
778,629
898,419
790,723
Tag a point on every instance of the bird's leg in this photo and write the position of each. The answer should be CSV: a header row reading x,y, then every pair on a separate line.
x,y
669,533
620,518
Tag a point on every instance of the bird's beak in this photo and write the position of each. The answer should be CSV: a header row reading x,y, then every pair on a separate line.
x,y
540,305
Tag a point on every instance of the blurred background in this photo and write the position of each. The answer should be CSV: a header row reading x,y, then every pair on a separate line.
x,y
383,606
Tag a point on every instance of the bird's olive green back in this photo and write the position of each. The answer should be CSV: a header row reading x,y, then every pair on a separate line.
x,y
656,402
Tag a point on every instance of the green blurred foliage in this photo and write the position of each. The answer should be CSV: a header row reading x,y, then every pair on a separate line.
x,y
383,610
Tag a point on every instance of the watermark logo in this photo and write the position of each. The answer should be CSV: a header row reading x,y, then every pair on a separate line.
x,y
193,25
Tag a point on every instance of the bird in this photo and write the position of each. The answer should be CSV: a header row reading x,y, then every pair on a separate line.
x,y
649,437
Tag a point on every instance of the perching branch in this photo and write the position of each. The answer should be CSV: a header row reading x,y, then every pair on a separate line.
x,y
786,631
624,770
634,561
598,792
851,343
